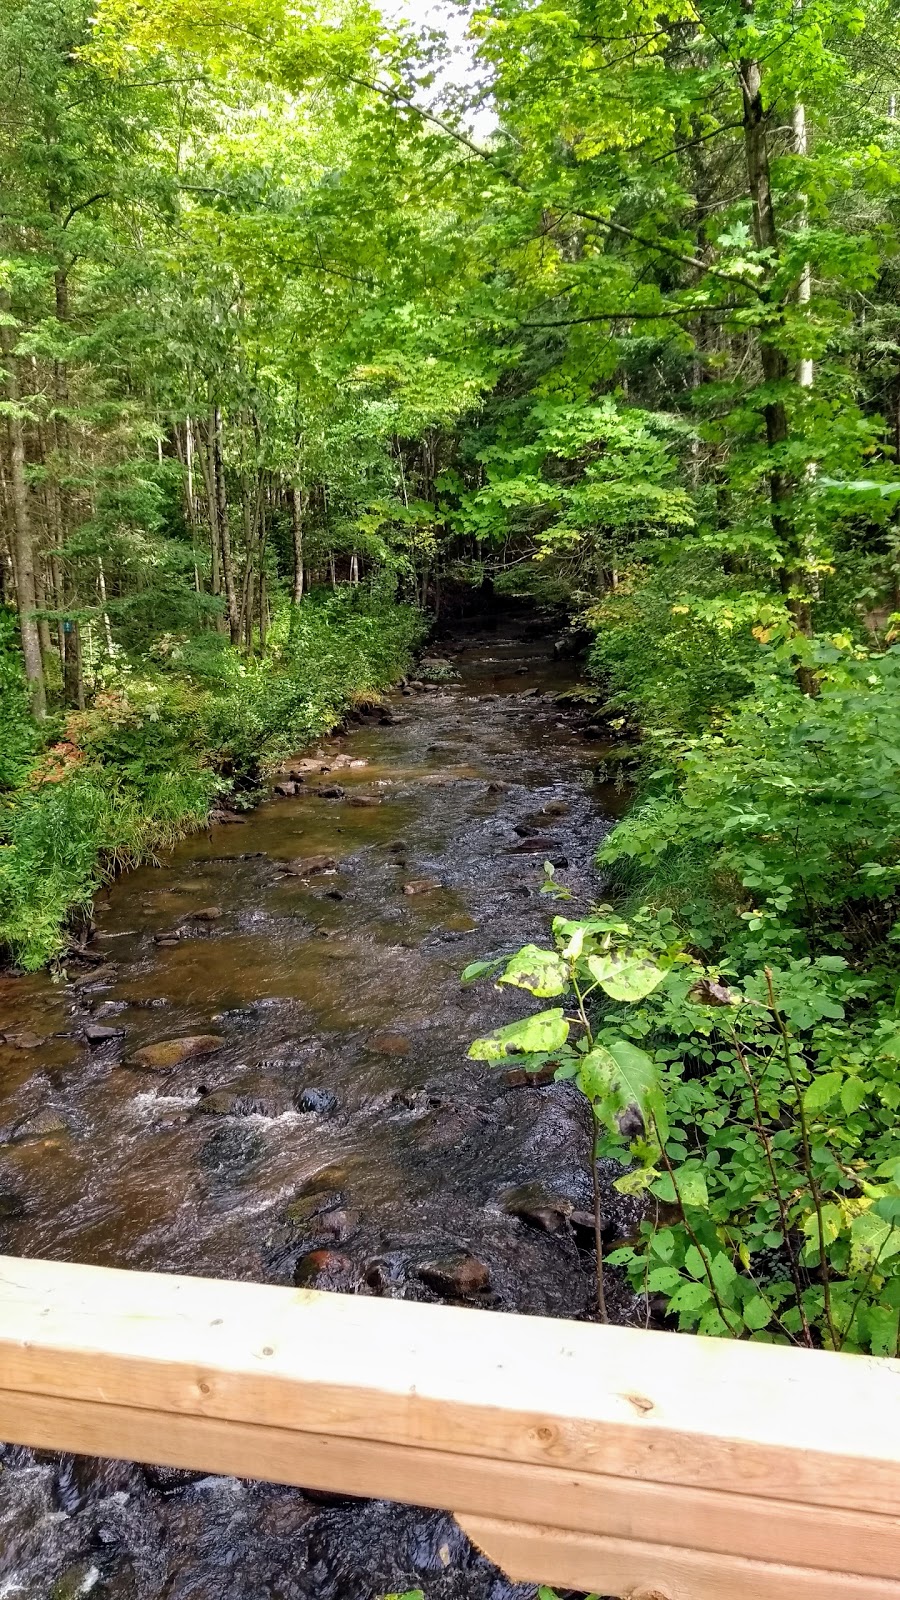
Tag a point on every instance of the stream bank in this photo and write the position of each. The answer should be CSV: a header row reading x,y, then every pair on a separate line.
x,y
327,1130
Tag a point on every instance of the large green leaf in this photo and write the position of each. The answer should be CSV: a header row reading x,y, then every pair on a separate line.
x,y
619,1076
542,972
546,1031
872,1241
625,975
822,1090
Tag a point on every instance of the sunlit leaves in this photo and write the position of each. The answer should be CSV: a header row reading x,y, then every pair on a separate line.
x,y
543,972
542,1033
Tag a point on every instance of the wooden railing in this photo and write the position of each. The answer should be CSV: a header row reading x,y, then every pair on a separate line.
x,y
642,1464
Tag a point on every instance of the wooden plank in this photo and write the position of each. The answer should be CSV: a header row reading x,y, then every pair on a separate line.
x,y
763,1420
531,1554
656,1513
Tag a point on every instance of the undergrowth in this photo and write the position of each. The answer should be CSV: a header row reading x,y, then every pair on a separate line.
x,y
123,780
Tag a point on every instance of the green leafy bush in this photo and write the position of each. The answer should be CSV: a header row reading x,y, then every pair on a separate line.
x,y
758,1118
19,740
783,825
145,763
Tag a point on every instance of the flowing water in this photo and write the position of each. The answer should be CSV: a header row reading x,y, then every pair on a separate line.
x,y
336,1137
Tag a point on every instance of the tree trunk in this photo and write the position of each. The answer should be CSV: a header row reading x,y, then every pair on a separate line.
x,y
231,601
805,370
775,366
73,675
23,541
298,510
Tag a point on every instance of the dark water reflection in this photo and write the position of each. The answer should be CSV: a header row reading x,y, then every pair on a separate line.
x,y
339,1113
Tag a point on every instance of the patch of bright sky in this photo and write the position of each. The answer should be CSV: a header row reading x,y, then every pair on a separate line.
x,y
462,70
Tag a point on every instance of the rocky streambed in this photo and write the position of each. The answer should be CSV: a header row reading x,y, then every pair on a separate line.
x,y
258,1071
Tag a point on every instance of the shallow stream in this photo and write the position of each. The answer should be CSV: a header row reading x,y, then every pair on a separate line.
x,y
336,1136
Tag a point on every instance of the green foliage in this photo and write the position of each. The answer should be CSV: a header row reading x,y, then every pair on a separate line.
x,y
598,955
144,765
673,644
757,1110
781,1096
793,806
19,740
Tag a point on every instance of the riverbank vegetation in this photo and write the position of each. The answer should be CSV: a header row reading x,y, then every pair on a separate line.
x,y
299,323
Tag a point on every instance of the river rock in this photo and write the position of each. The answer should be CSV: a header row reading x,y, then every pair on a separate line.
x,y
331,791
421,886
365,800
538,1207
168,1053
320,1101
285,789
307,1208
384,1274
226,818
44,1124
12,1206
206,914
97,1033
389,1044
517,1079
328,1180
169,1480
299,769
25,1040
307,866
79,1580
337,1223
534,845
258,1097
319,1264
456,1274
100,975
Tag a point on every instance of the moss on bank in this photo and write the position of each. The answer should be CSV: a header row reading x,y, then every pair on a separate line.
x,y
118,783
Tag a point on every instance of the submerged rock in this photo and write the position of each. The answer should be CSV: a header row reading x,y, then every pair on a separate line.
x,y
97,1033
100,975
12,1206
538,1207
306,866
26,1040
170,1480
168,1053
365,800
43,1125
456,1274
79,1580
389,1044
331,791
519,1079
252,1098
421,886
320,1101
307,1208
319,1264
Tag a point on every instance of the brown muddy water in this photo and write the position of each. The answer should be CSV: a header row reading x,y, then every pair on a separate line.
x,y
337,1137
